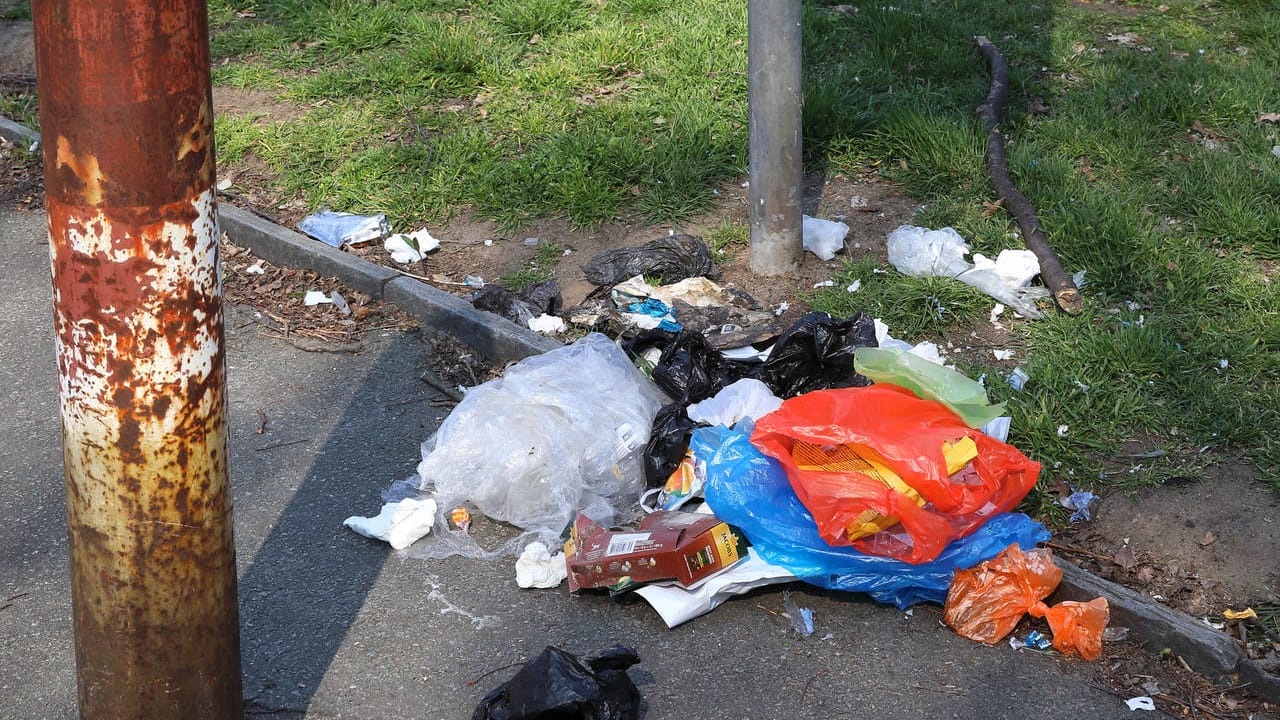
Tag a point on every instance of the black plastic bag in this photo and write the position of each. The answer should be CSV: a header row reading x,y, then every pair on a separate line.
x,y
689,369
557,686
536,299
816,353
671,258
667,444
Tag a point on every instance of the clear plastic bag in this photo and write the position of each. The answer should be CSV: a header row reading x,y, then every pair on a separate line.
x,y
558,433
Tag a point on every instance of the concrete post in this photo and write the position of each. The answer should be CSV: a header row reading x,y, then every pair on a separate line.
x,y
775,98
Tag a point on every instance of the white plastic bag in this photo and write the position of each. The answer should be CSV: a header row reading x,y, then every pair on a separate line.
x,y
941,253
922,252
822,237
745,398
559,433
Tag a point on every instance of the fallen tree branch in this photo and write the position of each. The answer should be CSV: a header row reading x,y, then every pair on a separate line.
x,y
1051,272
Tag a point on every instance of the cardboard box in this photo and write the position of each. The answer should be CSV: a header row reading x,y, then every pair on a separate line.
x,y
685,547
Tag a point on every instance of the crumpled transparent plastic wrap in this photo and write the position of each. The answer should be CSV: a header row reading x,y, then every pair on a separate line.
x,y
558,433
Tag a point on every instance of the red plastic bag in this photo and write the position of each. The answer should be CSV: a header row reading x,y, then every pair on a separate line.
x,y
887,472
986,602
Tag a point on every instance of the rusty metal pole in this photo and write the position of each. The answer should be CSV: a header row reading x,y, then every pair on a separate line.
x,y
126,118
775,98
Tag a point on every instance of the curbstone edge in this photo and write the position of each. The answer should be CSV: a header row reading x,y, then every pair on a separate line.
x,y
493,336
1207,651
18,134
282,246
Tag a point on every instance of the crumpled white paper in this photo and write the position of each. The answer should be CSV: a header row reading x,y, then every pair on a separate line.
x,y
677,604
538,568
399,523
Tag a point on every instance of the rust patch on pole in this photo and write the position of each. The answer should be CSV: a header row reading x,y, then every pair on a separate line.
x,y
125,113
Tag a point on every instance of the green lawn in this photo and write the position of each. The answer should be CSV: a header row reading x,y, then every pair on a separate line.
x,y
1149,157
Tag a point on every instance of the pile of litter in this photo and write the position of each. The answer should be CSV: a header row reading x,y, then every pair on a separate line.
x,y
706,453
841,459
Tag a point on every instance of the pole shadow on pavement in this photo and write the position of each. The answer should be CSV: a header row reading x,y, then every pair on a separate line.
x,y
309,577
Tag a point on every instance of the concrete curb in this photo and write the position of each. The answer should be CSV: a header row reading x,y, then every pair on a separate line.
x,y
18,134
1209,652
497,338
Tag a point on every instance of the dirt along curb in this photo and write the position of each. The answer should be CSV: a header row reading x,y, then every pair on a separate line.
x,y
497,338
1209,652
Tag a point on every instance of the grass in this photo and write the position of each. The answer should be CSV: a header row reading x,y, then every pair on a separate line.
x,y
18,10
1152,169
576,108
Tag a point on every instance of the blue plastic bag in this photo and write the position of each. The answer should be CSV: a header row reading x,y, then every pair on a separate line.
x,y
750,491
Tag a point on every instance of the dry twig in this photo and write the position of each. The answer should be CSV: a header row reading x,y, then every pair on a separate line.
x,y
1055,277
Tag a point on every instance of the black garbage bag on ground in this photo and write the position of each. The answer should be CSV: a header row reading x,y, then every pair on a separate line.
x,y
536,299
667,444
557,686
689,370
816,353
671,258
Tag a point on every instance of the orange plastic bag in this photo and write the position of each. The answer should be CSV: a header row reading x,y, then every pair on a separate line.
x,y
889,473
986,602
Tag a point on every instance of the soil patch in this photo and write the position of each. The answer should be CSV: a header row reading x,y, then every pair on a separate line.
x,y
262,105
17,48
1201,547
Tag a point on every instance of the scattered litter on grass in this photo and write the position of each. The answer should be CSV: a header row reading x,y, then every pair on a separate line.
x,y
824,283
411,247
1018,378
1062,430
854,286
338,229
1003,354
922,252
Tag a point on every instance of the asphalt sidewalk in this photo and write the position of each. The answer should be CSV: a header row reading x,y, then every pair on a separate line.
x,y
336,626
